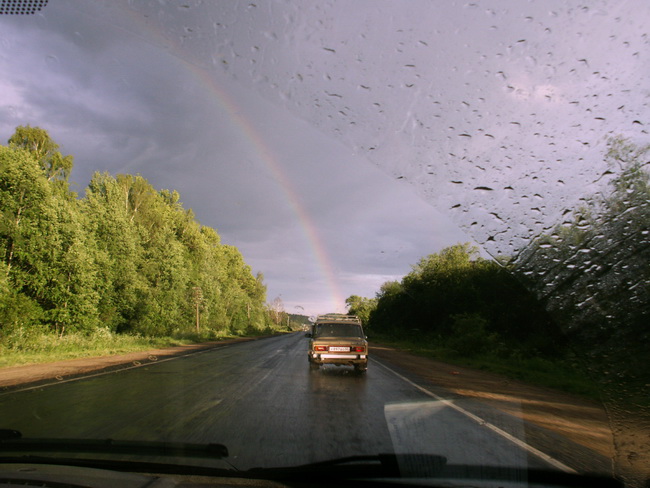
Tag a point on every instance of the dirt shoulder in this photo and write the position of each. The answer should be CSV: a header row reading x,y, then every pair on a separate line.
x,y
33,374
580,420
622,439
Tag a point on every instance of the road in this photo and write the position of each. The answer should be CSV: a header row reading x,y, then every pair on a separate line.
x,y
260,400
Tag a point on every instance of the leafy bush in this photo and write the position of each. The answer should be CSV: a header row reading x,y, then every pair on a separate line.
x,y
469,336
472,304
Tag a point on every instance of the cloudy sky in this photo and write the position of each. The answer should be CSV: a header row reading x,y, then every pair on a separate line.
x,y
335,143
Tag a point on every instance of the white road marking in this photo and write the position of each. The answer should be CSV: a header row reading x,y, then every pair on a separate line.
x,y
136,364
518,442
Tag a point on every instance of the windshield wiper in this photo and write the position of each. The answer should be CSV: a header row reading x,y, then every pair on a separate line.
x,y
360,468
12,441
426,466
376,466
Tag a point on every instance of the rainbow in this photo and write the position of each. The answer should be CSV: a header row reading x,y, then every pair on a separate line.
x,y
264,151
309,229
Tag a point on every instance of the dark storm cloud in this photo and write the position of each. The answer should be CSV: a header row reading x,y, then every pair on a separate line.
x,y
301,207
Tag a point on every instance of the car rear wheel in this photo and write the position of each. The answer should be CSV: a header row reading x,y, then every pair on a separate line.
x,y
360,368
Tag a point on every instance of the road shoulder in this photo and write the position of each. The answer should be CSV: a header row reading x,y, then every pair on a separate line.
x,y
582,421
13,377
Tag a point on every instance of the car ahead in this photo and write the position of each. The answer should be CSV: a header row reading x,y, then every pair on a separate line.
x,y
338,339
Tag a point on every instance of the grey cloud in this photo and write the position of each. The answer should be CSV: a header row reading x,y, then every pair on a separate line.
x,y
118,96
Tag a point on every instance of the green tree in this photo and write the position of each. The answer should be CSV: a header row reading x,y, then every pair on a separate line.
x,y
124,291
39,143
125,256
45,247
16,309
23,193
455,296
361,307
596,260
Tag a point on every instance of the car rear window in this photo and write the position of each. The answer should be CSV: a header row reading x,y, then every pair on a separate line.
x,y
337,330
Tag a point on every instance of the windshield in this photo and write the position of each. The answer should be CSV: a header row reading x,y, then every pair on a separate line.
x,y
186,186
337,330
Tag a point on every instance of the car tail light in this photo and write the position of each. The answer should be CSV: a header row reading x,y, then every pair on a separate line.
x,y
320,348
357,349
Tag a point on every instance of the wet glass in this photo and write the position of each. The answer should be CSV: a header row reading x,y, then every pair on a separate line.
x,y
337,330
526,123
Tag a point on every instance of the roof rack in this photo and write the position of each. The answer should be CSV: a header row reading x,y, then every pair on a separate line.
x,y
338,317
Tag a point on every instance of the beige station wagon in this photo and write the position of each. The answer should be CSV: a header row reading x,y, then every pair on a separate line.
x,y
338,339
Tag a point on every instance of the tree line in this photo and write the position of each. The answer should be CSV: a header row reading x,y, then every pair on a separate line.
x,y
124,256
585,285
457,300
592,270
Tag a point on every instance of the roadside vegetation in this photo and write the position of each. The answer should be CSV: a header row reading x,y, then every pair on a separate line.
x,y
592,273
125,266
465,305
569,374
32,346
457,307
571,311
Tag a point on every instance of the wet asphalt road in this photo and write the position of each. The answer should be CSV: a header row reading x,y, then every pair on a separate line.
x,y
261,400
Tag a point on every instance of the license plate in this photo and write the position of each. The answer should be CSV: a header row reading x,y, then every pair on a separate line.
x,y
339,349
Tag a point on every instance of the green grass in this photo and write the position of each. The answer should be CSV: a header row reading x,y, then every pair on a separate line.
x,y
26,346
560,374
33,345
